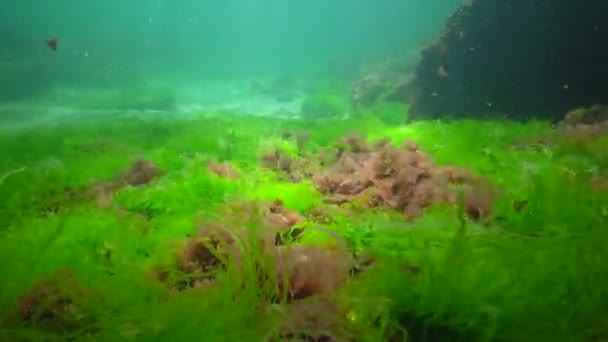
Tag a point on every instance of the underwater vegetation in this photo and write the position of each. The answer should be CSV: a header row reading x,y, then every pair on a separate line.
x,y
224,228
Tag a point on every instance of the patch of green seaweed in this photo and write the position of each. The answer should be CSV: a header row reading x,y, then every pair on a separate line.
x,y
532,271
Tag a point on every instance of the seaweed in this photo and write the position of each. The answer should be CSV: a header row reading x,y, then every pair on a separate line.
x,y
504,240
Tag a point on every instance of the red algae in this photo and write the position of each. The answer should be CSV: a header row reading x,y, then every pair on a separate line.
x,y
223,169
141,173
300,271
404,179
53,303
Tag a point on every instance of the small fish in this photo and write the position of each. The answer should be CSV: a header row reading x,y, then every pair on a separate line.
x,y
52,43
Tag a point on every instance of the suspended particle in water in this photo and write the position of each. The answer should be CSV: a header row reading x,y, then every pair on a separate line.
x,y
441,72
52,43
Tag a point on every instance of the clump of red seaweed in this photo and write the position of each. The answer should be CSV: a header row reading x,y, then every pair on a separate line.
x,y
223,169
141,172
307,270
277,160
52,304
404,179
288,168
311,270
56,199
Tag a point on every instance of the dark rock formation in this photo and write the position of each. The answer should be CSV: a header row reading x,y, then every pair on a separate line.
x,y
515,58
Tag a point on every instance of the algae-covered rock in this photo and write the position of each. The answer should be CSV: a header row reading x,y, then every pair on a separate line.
x,y
514,59
367,90
388,79
586,116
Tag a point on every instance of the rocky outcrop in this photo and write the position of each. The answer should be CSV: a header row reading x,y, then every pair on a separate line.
x,y
514,59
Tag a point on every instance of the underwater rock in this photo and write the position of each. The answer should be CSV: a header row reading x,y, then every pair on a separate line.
x,y
367,90
402,90
389,79
403,179
514,59
582,133
584,124
594,115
